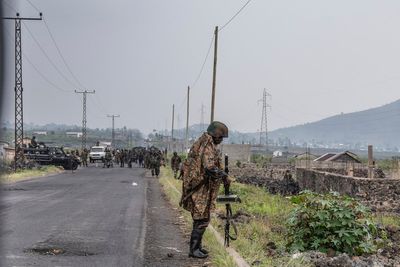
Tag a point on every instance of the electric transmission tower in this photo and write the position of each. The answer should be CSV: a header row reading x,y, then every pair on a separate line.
x,y
113,127
84,121
264,119
19,105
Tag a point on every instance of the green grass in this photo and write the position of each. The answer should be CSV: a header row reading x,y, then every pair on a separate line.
x,y
27,174
386,219
219,256
267,224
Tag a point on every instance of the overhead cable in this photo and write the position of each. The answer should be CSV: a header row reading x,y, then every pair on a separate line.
x,y
48,57
234,16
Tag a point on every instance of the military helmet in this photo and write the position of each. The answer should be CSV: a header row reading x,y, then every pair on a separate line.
x,y
217,129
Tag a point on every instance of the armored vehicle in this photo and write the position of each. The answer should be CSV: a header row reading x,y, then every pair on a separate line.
x,y
52,156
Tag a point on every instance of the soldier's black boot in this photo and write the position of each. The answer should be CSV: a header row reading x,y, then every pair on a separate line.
x,y
201,239
194,251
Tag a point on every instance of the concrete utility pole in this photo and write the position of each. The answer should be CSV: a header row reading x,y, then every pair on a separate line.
x,y
173,118
264,120
214,74
18,90
84,121
113,127
187,120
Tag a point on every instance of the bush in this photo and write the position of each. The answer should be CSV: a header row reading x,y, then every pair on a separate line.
x,y
330,222
260,160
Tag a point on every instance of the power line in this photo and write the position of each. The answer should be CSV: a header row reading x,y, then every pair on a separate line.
x,y
37,9
37,69
59,52
234,16
204,63
48,58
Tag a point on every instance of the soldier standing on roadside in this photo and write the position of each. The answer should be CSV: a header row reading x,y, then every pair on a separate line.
x,y
175,163
202,177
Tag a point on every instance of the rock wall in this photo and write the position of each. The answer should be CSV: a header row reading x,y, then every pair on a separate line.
x,y
381,195
277,179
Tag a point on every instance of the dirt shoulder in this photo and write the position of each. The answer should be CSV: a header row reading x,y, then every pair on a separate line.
x,y
167,237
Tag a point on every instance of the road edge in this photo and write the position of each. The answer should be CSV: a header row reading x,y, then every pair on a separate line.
x,y
30,178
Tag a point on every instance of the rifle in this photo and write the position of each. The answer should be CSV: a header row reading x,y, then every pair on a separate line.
x,y
227,199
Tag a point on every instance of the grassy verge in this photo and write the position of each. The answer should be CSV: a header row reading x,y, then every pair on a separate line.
x,y
219,256
27,174
262,229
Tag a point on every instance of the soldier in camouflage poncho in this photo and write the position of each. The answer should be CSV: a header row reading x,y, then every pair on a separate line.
x,y
202,176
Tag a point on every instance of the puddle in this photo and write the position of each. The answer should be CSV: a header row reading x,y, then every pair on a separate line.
x,y
57,251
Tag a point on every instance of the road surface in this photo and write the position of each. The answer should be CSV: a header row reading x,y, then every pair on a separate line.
x,y
92,217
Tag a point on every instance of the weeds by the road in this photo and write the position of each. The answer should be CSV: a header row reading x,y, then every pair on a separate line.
x,y
261,224
27,174
171,188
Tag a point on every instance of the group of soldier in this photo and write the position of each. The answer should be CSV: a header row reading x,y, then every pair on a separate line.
x,y
150,158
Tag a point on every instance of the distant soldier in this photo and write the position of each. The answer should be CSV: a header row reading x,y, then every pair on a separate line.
x,y
84,157
156,159
107,158
34,143
202,177
175,163
122,158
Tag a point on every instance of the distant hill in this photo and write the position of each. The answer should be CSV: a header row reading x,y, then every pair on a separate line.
x,y
378,126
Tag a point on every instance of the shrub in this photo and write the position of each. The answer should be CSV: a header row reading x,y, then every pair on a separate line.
x,y
330,222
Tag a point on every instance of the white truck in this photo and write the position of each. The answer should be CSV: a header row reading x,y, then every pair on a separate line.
x,y
97,153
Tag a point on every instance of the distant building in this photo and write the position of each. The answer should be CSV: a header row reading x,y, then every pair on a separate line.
x,y
277,153
346,156
237,152
74,134
40,133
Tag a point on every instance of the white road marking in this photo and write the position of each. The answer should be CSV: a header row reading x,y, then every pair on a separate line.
x,y
134,184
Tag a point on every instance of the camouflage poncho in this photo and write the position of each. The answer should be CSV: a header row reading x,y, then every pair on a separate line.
x,y
199,192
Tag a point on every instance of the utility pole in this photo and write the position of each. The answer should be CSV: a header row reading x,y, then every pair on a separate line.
x,y
113,127
84,121
173,118
19,106
214,73
202,117
264,120
187,119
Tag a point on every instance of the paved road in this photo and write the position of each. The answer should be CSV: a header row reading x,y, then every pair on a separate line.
x,y
93,217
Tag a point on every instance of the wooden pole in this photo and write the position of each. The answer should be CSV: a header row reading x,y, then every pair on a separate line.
x,y
214,74
187,119
173,117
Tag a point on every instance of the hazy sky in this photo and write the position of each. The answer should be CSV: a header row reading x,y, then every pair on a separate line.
x,y
317,58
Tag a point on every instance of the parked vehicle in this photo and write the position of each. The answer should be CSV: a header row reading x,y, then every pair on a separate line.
x,y
52,156
97,153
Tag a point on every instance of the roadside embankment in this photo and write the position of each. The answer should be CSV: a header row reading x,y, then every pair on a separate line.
x,y
21,175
